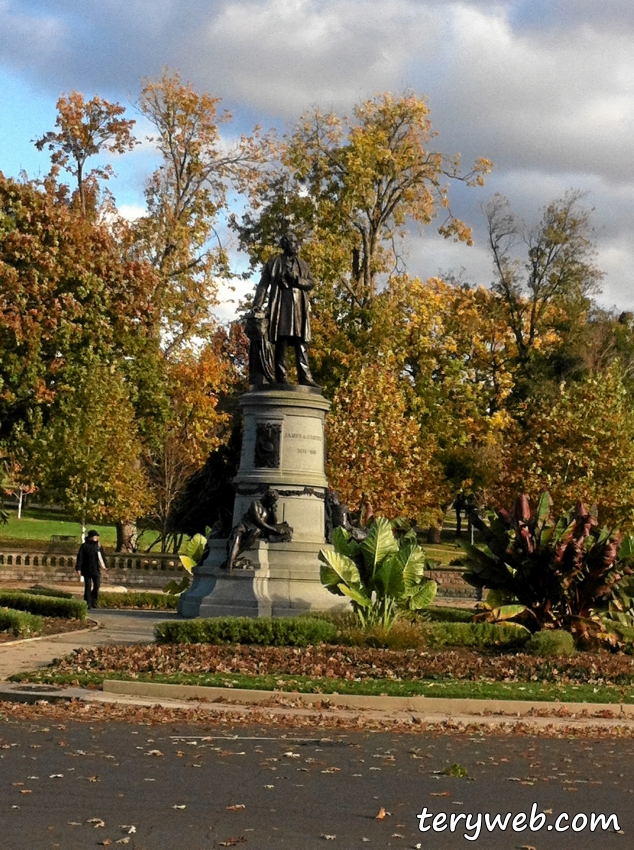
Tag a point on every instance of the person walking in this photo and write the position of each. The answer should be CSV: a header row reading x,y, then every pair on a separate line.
x,y
90,561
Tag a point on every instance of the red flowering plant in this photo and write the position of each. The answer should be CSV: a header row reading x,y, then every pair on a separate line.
x,y
565,573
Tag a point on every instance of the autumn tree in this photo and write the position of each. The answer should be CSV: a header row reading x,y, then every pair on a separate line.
x,y
579,447
197,382
66,293
449,350
86,129
351,185
546,293
186,200
374,447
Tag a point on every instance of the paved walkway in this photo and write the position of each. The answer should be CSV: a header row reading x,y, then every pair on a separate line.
x,y
114,627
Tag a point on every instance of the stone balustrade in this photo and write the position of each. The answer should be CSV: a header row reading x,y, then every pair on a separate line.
x,y
139,569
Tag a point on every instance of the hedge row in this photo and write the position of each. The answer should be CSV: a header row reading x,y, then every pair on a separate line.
x,y
21,623
267,631
477,635
449,614
138,599
46,606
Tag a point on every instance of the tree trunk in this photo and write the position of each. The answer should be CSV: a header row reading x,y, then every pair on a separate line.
x,y
127,535
20,498
434,534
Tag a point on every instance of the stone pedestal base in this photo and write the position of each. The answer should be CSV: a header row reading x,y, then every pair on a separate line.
x,y
283,582
283,447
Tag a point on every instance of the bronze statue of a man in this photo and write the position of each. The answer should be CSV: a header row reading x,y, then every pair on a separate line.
x,y
287,280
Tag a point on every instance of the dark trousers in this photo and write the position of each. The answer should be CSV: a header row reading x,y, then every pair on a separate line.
x,y
301,358
91,590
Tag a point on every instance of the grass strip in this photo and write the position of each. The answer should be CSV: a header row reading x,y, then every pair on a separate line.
x,y
453,689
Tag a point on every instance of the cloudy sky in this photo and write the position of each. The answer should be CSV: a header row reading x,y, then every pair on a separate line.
x,y
544,88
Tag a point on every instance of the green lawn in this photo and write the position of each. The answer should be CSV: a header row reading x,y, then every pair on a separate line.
x,y
455,689
39,525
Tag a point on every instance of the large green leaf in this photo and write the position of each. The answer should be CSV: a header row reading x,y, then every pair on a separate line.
x,y
484,566
175,588
356,595
506,612
497,598
544,507
421,596
413,562
626,550
379,543
337,569
388,579
188,563
343,542
192,550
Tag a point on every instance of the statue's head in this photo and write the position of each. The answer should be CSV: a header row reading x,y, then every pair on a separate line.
x,y
289,243
270,498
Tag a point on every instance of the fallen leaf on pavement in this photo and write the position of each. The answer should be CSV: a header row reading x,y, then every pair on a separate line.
x,y
381,814
328,837
96,822
235,808
439,794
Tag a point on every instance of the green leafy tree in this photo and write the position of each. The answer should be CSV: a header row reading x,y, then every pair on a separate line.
x,y
89,453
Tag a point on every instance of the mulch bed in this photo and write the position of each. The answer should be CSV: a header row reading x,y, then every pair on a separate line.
x,y
351,663
52,626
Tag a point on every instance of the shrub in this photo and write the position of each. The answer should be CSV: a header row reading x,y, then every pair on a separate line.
x,y
41,590
551,644
447,614
21,623
45,606
267,631
138,599
478,635
568,574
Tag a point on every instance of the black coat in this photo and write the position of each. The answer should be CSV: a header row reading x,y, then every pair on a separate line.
x,y
88,558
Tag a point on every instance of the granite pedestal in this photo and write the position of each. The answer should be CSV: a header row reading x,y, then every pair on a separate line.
x,y
283,447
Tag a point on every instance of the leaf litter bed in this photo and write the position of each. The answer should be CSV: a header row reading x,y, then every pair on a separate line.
x,y
458,673
316,723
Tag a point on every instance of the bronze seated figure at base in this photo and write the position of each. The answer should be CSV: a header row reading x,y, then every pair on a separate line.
x,y
258,523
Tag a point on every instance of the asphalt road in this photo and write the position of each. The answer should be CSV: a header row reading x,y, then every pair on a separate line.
x,y
187,788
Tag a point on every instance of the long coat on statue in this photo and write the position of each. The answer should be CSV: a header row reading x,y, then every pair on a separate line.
x,y
288,280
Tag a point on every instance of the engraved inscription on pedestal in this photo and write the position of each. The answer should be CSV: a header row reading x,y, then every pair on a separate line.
x,y
267,445
303,442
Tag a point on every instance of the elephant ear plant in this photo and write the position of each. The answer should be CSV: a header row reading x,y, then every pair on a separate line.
x,y
190,556
380,574
568,573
